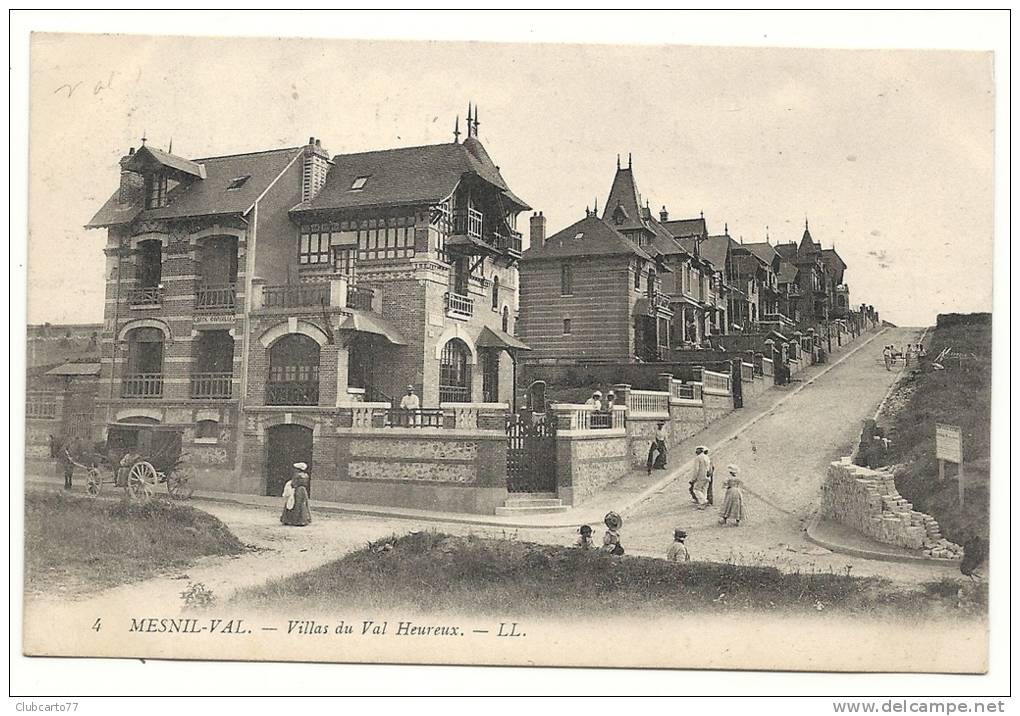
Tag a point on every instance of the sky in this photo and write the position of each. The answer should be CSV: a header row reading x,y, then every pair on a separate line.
x,y
888,154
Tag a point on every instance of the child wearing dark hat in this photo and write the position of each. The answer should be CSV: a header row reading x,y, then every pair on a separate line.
x,y
611,540
678,550
584,541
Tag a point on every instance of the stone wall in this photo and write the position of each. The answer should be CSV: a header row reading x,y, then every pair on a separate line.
x,y
585,464
867,500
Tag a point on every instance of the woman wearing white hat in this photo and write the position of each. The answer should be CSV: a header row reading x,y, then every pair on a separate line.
x,y
733,504
295,498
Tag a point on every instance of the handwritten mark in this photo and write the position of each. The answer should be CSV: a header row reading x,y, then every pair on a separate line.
x,y
70,88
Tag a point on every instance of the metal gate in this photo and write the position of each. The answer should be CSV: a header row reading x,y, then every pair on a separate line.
x,y
531,454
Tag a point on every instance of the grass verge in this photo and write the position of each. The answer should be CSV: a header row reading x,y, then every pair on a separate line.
x,y
76,544
434,572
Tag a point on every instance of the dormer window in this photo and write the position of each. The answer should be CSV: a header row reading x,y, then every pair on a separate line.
x,y
238,182
359,183
155,190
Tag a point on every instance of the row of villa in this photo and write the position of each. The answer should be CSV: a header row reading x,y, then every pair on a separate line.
x,y
275,306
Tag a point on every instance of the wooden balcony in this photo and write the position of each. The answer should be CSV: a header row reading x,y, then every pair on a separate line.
x,y
468,235
458,306
145,296
292,392
142,385
298,295
211,386
454,394
215,298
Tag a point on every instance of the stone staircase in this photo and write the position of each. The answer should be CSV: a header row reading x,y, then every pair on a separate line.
x,y
532,503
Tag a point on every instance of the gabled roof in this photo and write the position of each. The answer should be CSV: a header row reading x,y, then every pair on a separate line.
x,y
715,249
662,240
833,260
787,272
406,176
142,160
591,236
787,251
686,227
763,250
205,197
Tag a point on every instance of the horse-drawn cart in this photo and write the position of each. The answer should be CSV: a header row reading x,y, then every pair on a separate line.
x,y
138,457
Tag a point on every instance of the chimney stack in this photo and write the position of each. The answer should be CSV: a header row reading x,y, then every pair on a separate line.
x,y
132,184
315,166
537,229
663,215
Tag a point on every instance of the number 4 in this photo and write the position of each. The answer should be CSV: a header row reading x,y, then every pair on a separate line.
x,y
98,625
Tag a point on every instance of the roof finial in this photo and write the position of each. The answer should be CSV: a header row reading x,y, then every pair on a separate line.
x,y
766,233
805,222
476,121
456,130
143,137
726,229
630,161
170,149
587,211
617,161
596,211
702,214
469,120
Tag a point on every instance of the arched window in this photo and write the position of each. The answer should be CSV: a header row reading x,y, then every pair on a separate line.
x,y
506,319
495,293
143,372
455,372
293,371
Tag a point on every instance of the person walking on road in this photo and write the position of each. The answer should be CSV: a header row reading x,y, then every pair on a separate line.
x,y
295,496
700,480
887,357
68,449
657,450
733,504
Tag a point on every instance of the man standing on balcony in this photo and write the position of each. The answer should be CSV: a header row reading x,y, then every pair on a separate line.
x,y
412,405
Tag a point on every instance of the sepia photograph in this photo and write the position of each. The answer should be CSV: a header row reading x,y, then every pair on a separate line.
x,y
679,359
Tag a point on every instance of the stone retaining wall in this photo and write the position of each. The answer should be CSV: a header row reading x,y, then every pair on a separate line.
x,y
867,500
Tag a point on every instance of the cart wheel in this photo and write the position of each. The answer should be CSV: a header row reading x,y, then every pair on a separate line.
x,y
178,482
142,480
94,481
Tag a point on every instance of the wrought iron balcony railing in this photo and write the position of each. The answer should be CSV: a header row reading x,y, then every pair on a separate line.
x,y
454,394
292,392
142,385
360,298
211,386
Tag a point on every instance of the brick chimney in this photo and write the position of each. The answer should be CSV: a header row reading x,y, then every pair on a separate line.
x,y
316,166
537,229
132,184
663,215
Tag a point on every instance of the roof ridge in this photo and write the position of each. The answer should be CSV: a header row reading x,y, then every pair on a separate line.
x,y
400,149
247,154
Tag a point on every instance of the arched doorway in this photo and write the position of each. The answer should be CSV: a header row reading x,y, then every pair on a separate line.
x,y
455,372
293,371
286,445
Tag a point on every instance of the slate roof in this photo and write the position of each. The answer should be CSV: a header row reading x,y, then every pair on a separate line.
x,y
624,196
408,175
146,154
833,260
787,251
763,250
687,227
590,236
209,196
716,248
787,272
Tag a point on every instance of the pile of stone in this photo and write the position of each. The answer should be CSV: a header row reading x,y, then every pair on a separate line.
x,y
867,500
